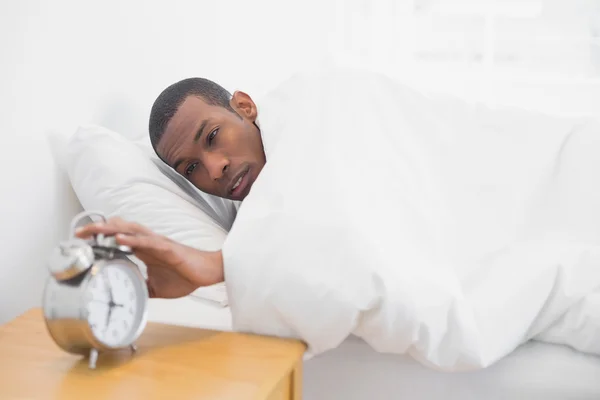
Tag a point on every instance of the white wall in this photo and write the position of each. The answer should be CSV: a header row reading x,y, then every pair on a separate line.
x,y
66,62
69,62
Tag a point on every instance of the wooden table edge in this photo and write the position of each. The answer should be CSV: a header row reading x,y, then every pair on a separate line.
x,y
294,371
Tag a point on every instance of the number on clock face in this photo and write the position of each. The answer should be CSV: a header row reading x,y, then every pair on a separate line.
x,y
113,305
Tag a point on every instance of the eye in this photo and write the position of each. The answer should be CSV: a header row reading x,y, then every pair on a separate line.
x,y
211,135
190,168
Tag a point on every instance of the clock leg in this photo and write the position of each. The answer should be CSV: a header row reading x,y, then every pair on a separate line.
x,y
133,348
93,358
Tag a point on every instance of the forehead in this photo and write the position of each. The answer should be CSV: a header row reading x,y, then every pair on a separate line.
x,y
186,121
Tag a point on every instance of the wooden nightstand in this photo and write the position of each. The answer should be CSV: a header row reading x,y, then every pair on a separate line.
x,y
171,362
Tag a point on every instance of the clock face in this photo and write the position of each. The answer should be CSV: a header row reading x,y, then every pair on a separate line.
x,y
116,301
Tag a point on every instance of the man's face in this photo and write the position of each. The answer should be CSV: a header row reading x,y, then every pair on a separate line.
x,y
218,151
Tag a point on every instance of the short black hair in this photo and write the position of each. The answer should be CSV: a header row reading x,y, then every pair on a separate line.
x,y
168,101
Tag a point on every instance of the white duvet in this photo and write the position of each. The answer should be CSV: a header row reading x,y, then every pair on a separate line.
x,y
426,226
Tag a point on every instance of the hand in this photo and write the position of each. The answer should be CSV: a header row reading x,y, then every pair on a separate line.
x,y
174,270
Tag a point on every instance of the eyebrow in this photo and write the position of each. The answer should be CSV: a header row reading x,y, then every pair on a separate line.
x,y
200,130
196,138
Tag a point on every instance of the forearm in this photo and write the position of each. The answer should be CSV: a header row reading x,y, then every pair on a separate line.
x,y
216,273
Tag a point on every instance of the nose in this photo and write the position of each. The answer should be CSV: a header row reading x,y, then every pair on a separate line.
x,y
217,166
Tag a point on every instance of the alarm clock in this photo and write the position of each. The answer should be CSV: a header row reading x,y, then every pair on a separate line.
x,y
95,299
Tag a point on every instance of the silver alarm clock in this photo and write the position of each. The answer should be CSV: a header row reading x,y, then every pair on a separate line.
x,y
95,298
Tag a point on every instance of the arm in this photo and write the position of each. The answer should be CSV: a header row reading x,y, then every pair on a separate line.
x,y
174,270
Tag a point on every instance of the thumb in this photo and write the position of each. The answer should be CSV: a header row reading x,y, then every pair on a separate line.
x,y
144,242
151,288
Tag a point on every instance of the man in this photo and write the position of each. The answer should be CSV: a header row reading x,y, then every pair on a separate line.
x,y
421,224
211,138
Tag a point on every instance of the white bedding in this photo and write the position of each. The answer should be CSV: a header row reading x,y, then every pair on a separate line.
x,y
425,226
534,371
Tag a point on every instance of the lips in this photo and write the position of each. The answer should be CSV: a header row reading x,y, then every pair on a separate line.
x,y
238,184
235,185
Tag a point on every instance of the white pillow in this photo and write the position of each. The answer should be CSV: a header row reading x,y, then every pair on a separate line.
x,y
120,177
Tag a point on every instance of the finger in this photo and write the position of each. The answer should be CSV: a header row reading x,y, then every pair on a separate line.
x,y
151,288
95,228
111,227
128,226
148,243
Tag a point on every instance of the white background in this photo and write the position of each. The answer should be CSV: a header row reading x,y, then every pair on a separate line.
x,y
67,62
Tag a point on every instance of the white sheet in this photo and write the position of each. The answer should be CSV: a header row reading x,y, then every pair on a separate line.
x,y
424,225
534,371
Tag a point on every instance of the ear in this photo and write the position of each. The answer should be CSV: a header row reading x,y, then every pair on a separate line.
x,y
244,105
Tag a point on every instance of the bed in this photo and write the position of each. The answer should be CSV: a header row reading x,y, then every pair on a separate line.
x,y
354,371
556,297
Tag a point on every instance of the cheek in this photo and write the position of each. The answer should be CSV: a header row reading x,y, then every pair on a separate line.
x,y
241,144
232,144
206,185
250,144
199,178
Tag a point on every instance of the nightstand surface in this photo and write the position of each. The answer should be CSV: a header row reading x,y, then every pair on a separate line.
x,y
171,361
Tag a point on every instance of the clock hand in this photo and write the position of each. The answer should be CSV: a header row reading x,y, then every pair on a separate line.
x,y
110,293
108,315
111,300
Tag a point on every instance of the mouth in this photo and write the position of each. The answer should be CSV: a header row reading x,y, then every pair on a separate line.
x,y
239,184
